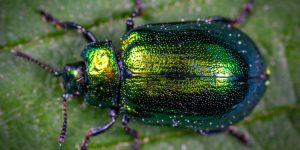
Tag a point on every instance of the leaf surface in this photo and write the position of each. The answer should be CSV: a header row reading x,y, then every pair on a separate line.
x,y
30,99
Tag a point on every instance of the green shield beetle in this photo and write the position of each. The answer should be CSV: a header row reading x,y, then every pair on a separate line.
x,y
205,75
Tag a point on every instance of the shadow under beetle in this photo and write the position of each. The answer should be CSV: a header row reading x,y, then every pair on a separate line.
x,y
205,75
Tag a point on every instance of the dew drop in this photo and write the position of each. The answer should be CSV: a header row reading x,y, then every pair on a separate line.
x,y
244,51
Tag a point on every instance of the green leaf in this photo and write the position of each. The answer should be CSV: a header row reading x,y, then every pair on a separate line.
x,y
30,99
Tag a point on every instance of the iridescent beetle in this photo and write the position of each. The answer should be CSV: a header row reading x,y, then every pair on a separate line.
x,y
205,75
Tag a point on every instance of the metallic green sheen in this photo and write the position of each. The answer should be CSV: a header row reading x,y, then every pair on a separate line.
x,y
190,74
102,74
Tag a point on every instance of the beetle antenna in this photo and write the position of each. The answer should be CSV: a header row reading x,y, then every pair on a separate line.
x,y
35,61
63,131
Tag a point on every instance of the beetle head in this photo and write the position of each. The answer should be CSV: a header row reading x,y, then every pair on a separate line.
x,y
74,78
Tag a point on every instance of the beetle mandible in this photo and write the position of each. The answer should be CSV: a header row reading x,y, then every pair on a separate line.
x,y
205,75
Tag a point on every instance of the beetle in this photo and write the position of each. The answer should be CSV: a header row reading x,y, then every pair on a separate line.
x,y
205,75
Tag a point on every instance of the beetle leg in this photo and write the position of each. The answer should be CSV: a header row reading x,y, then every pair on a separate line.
x,y
247,9
133,133
136,12
95,131
239,135
232,130
89,37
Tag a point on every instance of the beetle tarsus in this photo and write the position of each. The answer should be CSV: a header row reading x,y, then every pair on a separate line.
x,y
85,143
138,11
95,131
49,18
133,133
236,21
89,37
247,9
240,135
